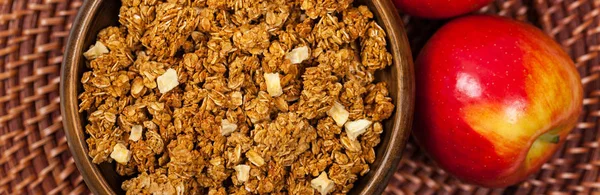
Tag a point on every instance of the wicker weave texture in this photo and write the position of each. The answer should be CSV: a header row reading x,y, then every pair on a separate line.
x,y
574,168
35,158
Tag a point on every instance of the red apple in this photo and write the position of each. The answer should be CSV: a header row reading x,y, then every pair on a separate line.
x,y
495,99
439,9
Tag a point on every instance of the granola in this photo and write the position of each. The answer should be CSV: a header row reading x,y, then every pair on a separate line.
x,y
237,96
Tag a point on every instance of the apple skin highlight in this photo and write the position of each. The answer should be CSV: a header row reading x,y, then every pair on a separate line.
x,y
495,99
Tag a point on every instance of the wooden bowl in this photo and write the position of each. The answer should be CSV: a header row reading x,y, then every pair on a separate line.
x,y
95,15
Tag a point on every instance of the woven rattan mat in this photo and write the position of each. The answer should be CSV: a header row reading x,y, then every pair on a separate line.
x,y
35,159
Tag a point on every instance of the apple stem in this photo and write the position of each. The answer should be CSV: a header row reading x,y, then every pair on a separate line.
x,y
551,138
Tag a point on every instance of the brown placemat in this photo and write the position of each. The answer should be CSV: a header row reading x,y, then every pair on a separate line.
x,y
34,156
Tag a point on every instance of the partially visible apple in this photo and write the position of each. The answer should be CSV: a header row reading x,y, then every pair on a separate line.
x,y
495,99
439,9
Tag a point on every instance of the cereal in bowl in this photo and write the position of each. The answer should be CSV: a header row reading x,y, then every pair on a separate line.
x,y
237,96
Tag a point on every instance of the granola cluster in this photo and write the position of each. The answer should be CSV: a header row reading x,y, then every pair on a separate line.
x,y
237,96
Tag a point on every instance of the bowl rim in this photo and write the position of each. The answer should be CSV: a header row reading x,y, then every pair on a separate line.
x,y
69,101
401,128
